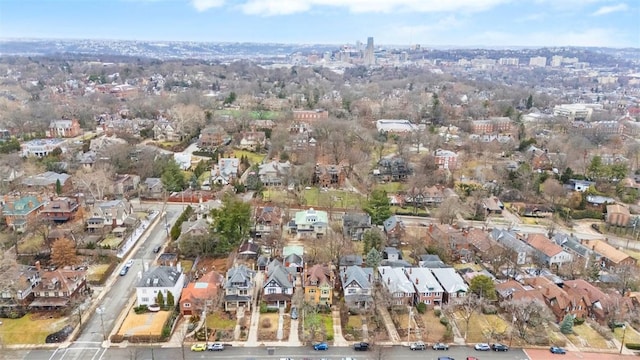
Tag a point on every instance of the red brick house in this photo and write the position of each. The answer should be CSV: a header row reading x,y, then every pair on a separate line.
x,y
196,294
60,209
57,289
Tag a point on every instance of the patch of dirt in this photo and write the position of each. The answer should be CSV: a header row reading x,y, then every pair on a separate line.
x,y
219,265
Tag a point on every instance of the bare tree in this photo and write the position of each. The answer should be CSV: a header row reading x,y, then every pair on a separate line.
x,y
626,278
527,314
63,253
98,181
553,190
469,307
449,210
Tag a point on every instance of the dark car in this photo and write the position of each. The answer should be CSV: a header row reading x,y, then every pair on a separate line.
x,y
557,350
596,227
499,347
440,346
124,271
321,346
445,358
361,346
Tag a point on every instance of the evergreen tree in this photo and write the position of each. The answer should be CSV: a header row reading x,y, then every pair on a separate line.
x,y
232,222
529,102
171,301
378,207
173,177
160,298
374,258
566,327
58,187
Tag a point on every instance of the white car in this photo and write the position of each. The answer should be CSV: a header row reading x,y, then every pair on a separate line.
x,y
482,347
129,263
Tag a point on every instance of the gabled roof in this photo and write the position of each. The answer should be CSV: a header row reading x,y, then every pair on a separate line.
x,y
450,280
543,244
161,276
204,288
318,274
238,274
357,275
279,275
611,253
423,280
573,243
550,290
395,280
391,223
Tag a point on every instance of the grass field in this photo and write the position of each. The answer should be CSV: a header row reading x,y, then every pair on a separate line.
x,y
319,198
144,324
256,115
29,329
220,322
432,330
391,187
482,328
327,322
590,337
95,272
254,158
111,241
630,336
31,244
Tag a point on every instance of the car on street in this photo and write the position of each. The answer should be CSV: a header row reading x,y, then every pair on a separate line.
x,y
472,358
294,313
499,347
321,346
215,347
157,249
129,263
445,358
198,347
124,271
557,350
361,346
482,347
440,346
418,345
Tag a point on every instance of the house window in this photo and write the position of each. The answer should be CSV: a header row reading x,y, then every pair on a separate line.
x,y
312,291
187,305
325,292
351,291
243,292
144,299
271,291
428,302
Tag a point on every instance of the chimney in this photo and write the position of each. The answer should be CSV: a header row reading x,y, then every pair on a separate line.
x,y
345,277
383,271
369,278
417,281
38,268
410,271
290,277
388,281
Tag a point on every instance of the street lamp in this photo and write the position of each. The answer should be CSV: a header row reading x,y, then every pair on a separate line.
x,y
624,332
100,311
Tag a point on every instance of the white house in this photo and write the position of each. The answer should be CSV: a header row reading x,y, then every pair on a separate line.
x,y
397,285
455,289
310,222
278,288
162,279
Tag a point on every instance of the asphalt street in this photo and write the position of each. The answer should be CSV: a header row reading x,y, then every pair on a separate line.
x,y
99,324
334,353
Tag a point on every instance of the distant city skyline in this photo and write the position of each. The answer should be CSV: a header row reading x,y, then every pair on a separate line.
x,y
438,23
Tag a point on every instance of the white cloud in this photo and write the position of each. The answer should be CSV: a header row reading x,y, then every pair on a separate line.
x,y
286,7
204,5
610,9
590,37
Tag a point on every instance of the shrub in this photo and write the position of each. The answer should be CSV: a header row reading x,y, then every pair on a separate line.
x,y
444,321
578,321
437,312
421,307
116,338
263,308
141,309
632,346
489,309
265,323
330,337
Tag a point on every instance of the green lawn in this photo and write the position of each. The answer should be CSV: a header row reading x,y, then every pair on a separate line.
x,y
111,241
391,187
317,197
256,115
219,321
31,244
630,335
254,158
186,265
29,329
327,321
588,334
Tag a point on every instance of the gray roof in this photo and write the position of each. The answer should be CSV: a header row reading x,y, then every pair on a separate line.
x,y
349,260
510,240
238,274
450,280
358,275
572,243
279,274
161,276
45,179
395,280
423,280
391,223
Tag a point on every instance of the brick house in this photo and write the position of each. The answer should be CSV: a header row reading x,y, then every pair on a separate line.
x,y
60,209
610,257
58,288
16,297
19,212
310,115
196,294
64,128
396,283
446,159
329,175
428,290
212,137
617,215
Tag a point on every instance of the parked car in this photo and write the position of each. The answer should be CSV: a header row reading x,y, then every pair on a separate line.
x,y
294,313
157,249
482,347
124,271
557,350
440,346
129,263
596,227
472,358
215,347
361,346
418,345
198,347
445,358
499,347
321,346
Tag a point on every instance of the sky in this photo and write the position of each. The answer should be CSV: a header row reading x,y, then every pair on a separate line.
x,y
447,23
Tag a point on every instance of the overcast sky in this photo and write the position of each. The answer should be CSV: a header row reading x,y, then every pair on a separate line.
x,y
489,23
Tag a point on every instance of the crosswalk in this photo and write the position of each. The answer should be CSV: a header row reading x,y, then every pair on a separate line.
x,y
80,350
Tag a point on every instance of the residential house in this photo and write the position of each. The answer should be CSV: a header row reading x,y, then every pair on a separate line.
x,y
579,185
558,301
355,224
329,176
278,287
428,289
492,205
599,305
446,159
248,250
610,257
574,246
200,293
514,290
183,160
9,174
310,115
58,289
547,251
238,288
125,184
618,215
432,196
396,283
357,286
350,260
16,296
310,222
161,279
533,210
318,285
195,228
106,214
153,188
268,220
509,240
431,261
212,136
274,173
395,126
481,243
394,229
392,169
540,159
64,128
87,160
492,125
252,140
226,172
48,181
454,287
453,239
293,258
60,209
165,130
19,212
40,147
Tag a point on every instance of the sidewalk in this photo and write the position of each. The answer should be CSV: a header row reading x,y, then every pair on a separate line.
x,y
338,339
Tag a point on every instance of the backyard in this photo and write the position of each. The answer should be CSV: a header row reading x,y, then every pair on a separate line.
x,y
149,323
29,329
254,158
319,198
268,327
96,272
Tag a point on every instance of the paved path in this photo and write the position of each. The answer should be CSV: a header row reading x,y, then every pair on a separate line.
x,y
338,339
252,337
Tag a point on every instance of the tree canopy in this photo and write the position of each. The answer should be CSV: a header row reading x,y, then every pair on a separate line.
x,y
172,177
231,222
63,253
378,207
483,286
